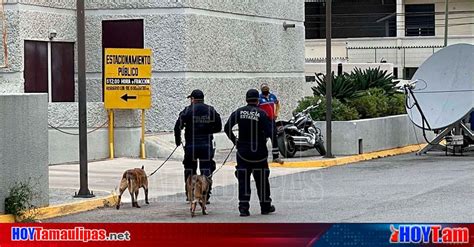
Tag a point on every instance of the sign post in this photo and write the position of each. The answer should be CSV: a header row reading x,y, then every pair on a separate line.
x,y
127,86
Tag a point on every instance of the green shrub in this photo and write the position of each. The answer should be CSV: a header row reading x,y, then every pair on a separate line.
x,y
364,80
396,104
347,87
19,201
374,103
342,87
341,112
368,93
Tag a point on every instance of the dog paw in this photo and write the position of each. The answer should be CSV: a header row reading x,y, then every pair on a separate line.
x,y
147,202
204,213
117,207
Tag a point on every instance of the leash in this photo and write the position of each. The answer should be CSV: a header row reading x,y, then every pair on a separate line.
x,y
223,163
164,162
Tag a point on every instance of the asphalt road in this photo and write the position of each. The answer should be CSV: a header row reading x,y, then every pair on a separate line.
x,y
407,188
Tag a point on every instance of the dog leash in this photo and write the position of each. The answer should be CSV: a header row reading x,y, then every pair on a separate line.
x,y
223,163
164,162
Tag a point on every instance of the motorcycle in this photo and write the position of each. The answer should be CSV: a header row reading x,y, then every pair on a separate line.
x,y
300,134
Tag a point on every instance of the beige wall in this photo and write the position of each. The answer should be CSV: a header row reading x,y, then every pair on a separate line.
x,y
317,49
454,18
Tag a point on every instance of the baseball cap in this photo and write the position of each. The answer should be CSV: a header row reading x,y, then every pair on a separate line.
x,y
252,94
196,94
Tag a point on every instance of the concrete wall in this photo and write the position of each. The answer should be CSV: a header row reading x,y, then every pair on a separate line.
x,y
221,47
313,68
24,144
372,50
63,148
375,134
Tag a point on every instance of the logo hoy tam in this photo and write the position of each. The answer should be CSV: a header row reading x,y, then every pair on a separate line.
x,y
428,234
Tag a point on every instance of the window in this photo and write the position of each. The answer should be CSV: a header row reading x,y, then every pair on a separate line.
x,y
351,18
62,71
36,67
410,72
420,19
60,85
310,78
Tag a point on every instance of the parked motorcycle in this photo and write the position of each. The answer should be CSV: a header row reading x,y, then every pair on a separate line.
x,y
300,134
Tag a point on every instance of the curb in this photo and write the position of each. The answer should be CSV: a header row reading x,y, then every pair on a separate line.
x,y
324,163
65,209
82,206
7,218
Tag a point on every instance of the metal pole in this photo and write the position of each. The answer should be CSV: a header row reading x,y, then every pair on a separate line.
x,y
328,80
111,134
446,19
81,54
142,142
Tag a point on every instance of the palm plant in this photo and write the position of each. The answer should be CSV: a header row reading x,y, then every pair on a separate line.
x,y
364,80
342,87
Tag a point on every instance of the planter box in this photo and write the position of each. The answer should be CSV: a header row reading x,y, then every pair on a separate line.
x,y
24,145
375,134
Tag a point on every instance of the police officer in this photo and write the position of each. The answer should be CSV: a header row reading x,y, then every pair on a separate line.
x,y
252,154
200,122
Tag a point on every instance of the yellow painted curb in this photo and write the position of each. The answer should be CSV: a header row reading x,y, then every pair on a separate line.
x,y
348,159
7,218
65,209
75,207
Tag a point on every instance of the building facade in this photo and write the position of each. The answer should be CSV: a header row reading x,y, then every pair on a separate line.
x,y
402,32
221,47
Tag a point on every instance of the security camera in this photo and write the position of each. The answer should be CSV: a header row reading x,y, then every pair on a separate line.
x,y
52,34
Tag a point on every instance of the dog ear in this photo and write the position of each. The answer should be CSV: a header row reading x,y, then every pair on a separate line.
x,y
143,167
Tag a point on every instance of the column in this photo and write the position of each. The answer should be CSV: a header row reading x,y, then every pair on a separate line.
x,y
400,18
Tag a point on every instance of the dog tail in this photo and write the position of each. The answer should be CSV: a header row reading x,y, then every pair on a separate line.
x,y
129,180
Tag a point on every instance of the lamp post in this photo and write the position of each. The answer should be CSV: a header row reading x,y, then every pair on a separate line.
x,y
328,80
81,54
446,21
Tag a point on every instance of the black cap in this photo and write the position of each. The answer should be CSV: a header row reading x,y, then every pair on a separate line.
x,y
196,94
252,94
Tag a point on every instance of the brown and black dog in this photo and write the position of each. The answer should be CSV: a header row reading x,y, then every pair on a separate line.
x,y
134,179
198,190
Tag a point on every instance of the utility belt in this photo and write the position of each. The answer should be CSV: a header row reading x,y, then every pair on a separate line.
x,y
251,145
200,144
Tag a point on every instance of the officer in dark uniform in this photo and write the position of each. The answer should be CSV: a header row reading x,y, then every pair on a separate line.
x,y
200,122
252,153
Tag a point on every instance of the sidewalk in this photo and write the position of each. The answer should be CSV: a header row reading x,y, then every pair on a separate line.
x,y
104,177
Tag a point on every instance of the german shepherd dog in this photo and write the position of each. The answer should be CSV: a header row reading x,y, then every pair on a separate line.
x,y
198,190
134,179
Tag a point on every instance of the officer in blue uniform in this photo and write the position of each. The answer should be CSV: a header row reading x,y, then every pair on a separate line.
x,y
252,154
200,122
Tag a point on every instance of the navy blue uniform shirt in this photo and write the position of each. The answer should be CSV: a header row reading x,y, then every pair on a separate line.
x,y
254,129
200,122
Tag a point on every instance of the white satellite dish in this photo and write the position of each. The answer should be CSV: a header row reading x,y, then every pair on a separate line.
x,y
444,88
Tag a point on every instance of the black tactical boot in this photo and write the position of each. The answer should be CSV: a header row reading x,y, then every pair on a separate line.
x,y
268,210
244,212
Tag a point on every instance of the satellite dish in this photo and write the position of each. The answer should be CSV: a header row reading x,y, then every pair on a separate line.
x,y
444,87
